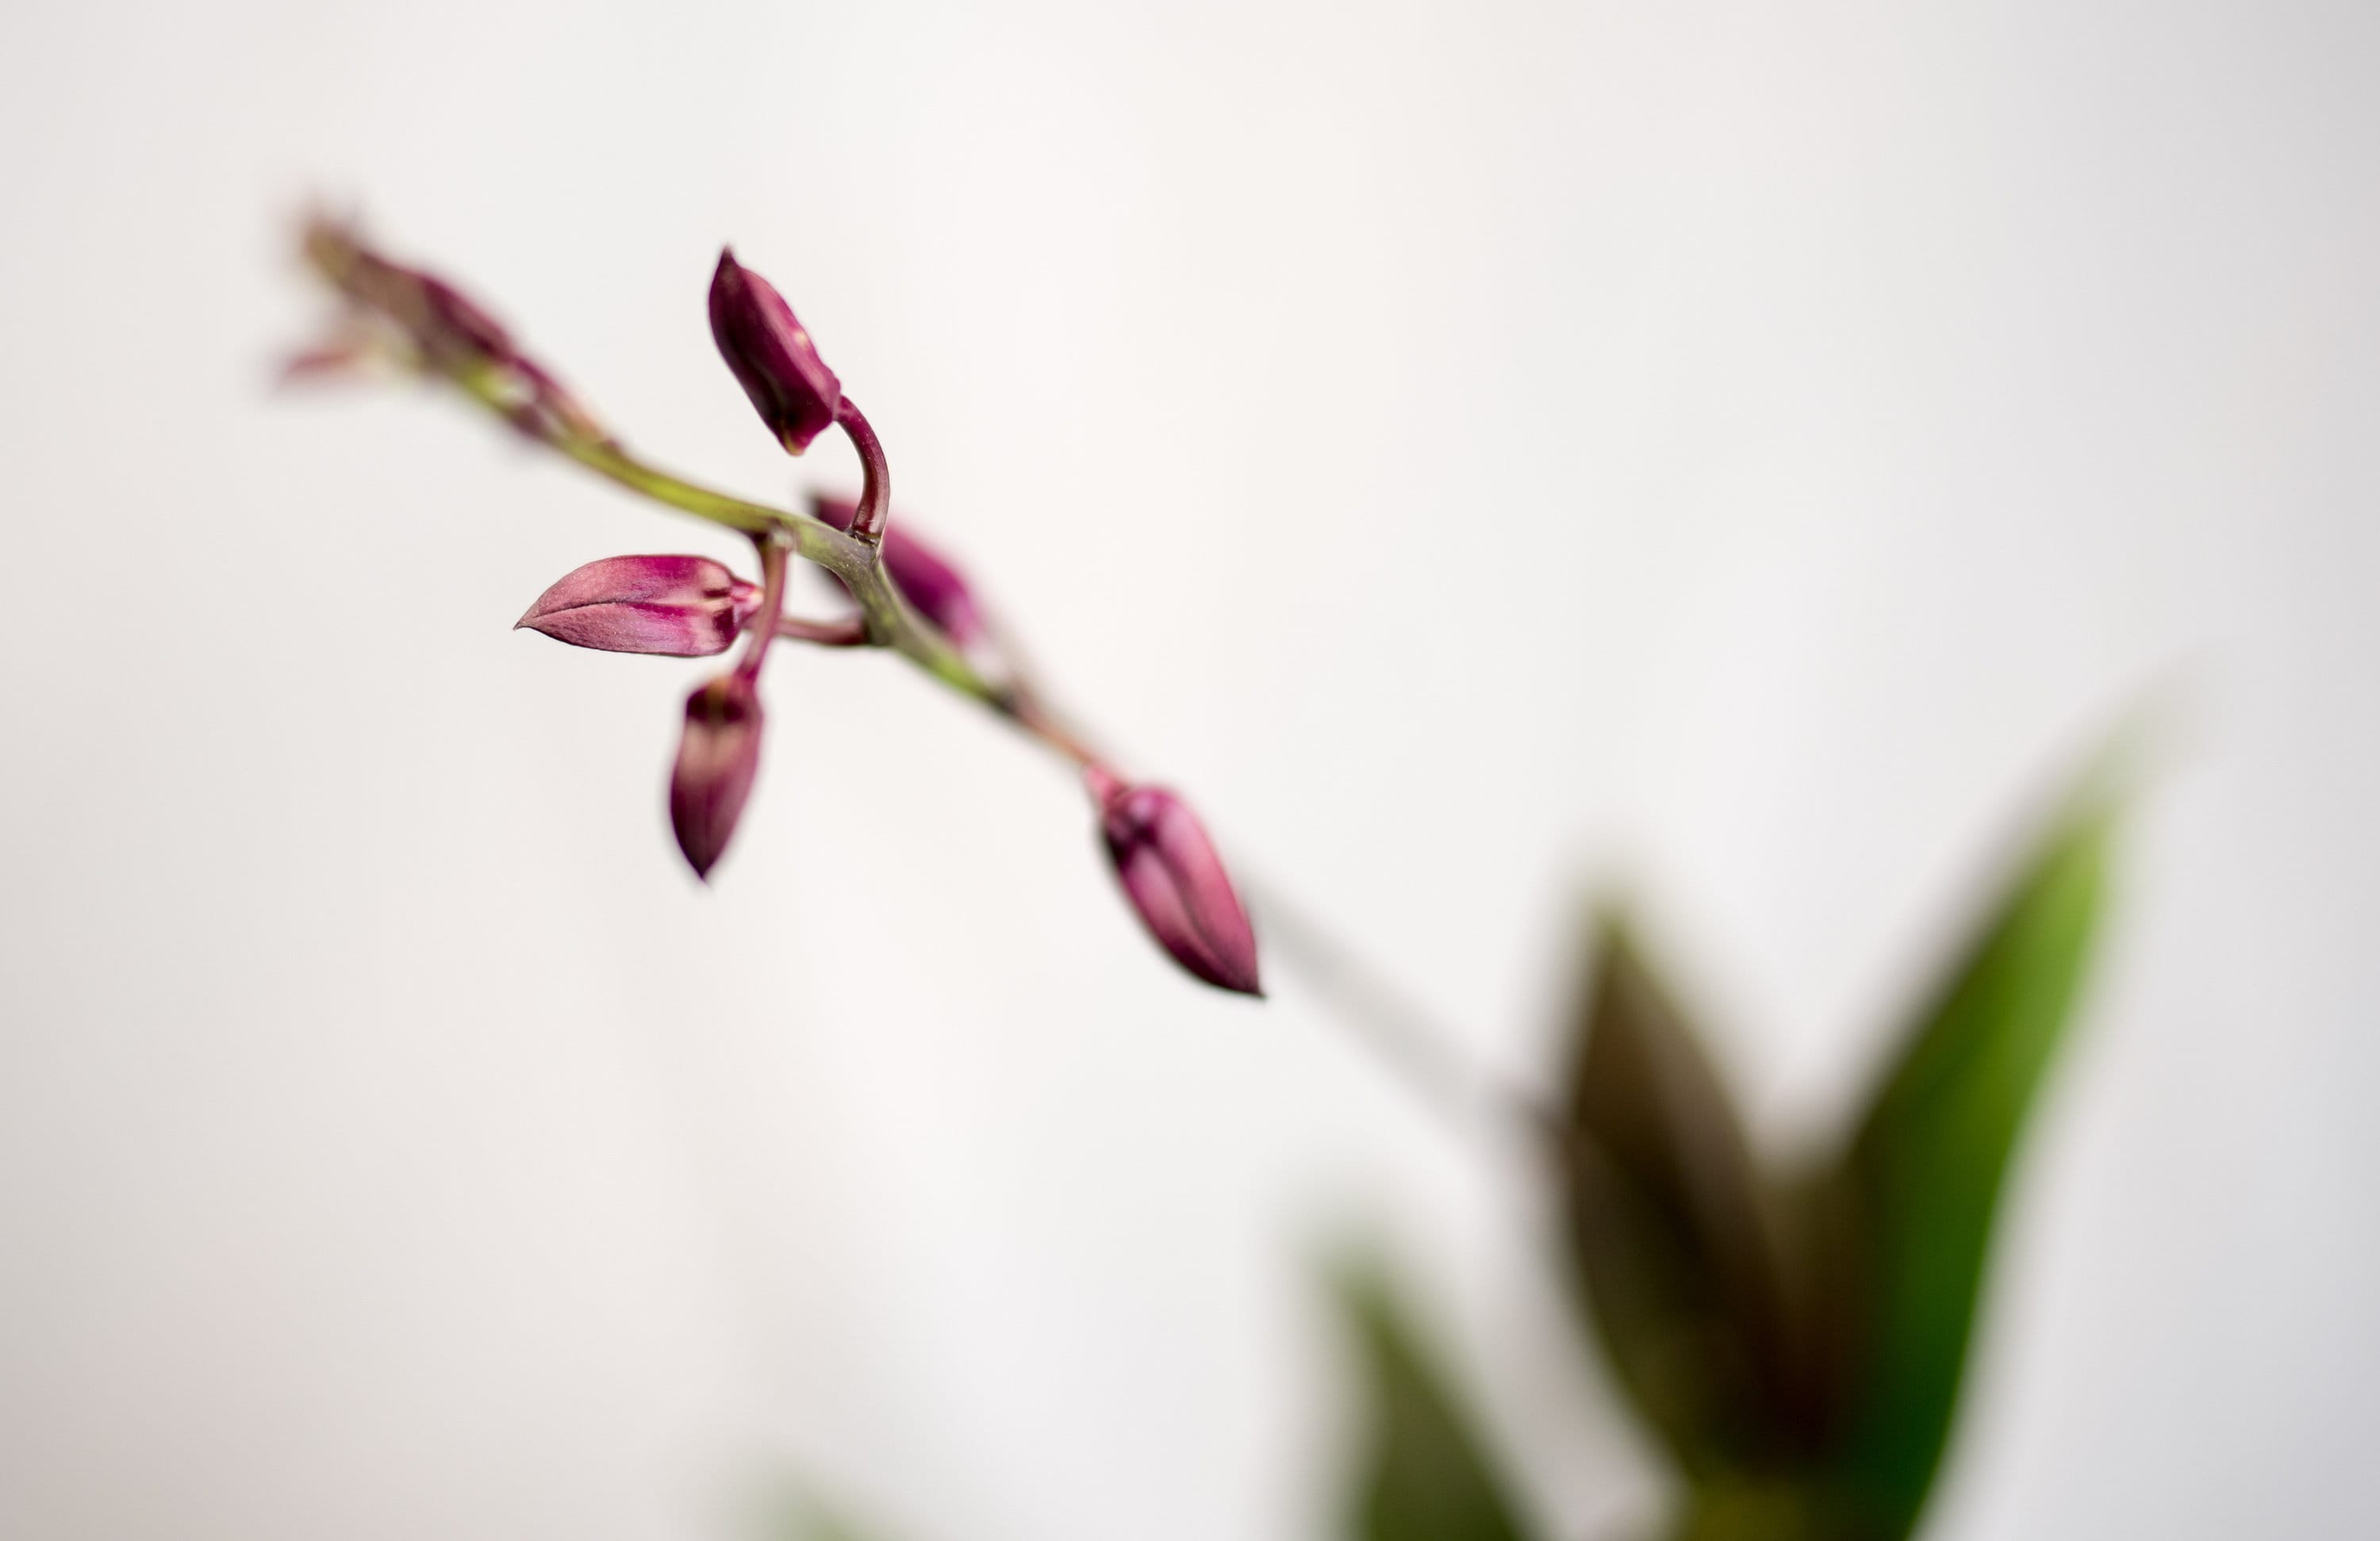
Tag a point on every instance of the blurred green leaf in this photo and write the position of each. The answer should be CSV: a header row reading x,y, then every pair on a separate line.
x,y
1776,1510
831,1528
1673,1238
1426,1476
1918,1185
799,1514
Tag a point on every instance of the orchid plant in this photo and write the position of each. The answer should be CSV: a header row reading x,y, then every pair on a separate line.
x,y
1794,1335
908,597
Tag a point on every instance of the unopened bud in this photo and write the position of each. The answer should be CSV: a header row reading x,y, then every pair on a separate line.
x,y
458,328
447,326
1176,883
716,760
772,357
925,577
678,606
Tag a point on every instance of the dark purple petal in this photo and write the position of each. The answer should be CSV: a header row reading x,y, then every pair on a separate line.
x,y
772,357
449,328
1176,883
679,606
924,575
457,324
716,762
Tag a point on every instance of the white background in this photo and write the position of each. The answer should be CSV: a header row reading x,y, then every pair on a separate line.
x,y
1484,454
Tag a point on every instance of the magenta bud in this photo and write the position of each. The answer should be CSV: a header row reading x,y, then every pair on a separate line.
x,y
458,327
771,355
1176,883
716,762
448,327
924,575
678,606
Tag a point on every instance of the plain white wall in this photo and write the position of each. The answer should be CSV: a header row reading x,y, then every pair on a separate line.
x,y
1481,452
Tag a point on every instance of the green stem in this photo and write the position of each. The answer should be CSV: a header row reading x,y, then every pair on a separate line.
x,y
439,332
1414,1046
891,622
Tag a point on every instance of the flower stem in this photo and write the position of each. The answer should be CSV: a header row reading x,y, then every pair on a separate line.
x,y
772,606
849,632
891,621
876,487
1417,1050
1414,1047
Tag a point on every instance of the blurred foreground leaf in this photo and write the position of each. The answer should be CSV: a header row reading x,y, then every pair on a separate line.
x,y
802,1515
1669,1230
1919,1183
1426,1475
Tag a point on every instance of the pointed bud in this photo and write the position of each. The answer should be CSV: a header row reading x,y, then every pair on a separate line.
x,y
1176,881
924,575
678,606
771,355
716,762
456,327
445,324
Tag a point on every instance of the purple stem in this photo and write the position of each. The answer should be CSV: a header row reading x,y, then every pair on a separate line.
x,y
876,491
772,607
849,632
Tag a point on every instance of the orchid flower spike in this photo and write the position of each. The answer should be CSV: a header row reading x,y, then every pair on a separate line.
x,y
677,606
1175,881
771,356
420,320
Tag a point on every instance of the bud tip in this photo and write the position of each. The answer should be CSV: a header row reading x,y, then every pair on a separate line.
x,y
1175,881
717,759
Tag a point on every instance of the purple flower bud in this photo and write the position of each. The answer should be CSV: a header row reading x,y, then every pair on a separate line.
x,y
1176,881
679,606
772,357
456,326
716,762
924,575
447,326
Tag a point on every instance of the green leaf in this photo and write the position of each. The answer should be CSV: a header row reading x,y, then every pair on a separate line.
x,y
1426,1476
797,1513
1919,1183
1673,1237
1775,1510
824,1526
